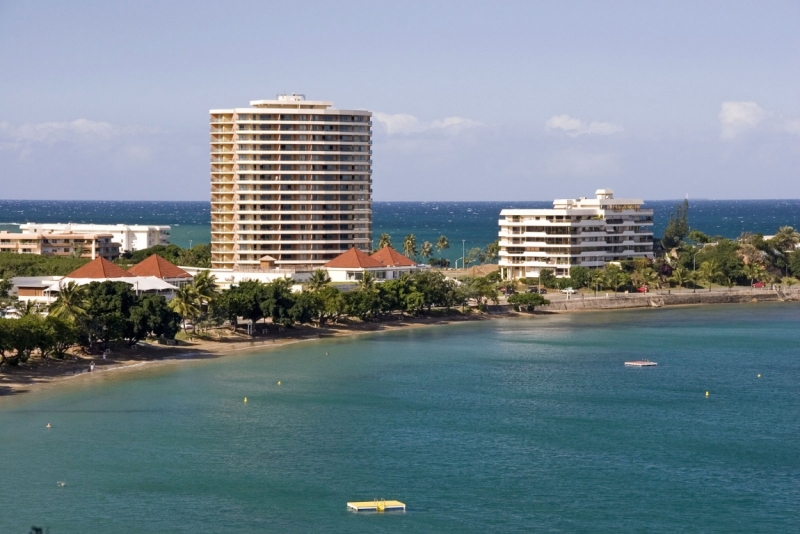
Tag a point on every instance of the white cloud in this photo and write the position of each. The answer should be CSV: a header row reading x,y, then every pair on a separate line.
x,y
575,127
735,118
54,132
404,124
792,127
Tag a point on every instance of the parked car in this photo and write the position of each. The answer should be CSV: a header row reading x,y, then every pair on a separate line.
x,y
543,291
642,289
507,290
532,290
759,284
568,291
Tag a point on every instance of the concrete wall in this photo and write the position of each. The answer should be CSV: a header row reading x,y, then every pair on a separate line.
x,y
659,300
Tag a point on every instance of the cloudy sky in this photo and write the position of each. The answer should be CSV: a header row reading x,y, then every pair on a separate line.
x,y
471,100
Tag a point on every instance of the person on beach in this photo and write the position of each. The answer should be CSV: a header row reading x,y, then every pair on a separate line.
x,y
91,366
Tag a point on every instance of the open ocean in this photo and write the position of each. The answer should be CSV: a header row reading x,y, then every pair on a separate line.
x,y
510,425
474,222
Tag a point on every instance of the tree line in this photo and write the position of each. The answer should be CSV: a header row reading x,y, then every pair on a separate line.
x,y
425,252
91,316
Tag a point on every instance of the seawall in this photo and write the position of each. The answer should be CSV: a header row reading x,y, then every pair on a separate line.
x,y
625,301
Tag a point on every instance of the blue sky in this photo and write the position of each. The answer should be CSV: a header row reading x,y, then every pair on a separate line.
x,y
472,100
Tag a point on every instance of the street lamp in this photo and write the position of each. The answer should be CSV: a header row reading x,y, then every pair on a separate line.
x,y
694,270
463,252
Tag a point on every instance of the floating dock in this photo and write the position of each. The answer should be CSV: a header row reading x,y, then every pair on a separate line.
x,y
641,363
377,506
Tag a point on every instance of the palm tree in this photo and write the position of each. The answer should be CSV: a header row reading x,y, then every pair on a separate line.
x,y
427,250
70,304
410,246
367,281
709,270
384,241
319,279
679,276
186,303
749,254
442,243
786,239
205,285
753,271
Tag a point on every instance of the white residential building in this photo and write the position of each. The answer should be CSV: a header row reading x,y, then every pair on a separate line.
x,y
291,179
130,237
586,231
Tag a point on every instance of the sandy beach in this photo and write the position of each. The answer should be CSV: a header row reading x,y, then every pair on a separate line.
x,y
39,373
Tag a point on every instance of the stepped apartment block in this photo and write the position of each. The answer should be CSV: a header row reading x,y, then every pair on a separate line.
x,y
589,232
61,244
129,236
290,184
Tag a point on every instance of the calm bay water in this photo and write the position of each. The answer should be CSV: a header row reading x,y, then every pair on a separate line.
x,y
474,222
500,426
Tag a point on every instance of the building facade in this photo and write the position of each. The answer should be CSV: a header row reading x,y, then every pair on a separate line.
x,y
291,179
589,232
129,237
79,245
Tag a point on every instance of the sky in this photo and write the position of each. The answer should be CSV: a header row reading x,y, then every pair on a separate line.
x,y
471,100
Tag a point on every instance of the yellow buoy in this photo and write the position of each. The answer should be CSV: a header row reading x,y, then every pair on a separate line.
x,y
245,400
279,382
706,393
759,375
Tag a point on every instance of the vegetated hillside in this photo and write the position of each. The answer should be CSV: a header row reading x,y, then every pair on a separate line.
x,y
12,264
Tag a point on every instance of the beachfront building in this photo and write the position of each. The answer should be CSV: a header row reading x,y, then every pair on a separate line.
x,y
385,264
589,232
155,265
129,236
61,243
290,179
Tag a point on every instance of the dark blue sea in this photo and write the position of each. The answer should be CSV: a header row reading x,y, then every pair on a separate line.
x,y
473,222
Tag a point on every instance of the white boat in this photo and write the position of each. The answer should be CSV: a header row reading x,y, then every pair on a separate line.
x,y
641,363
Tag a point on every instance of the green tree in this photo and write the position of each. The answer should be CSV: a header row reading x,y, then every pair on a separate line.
x,y
616,278
709,272
108,307
277,301
205,286
527,300
64,334
753,272
333,304
427,250
410,246
474,255
384,241
442,243
677,227
794,263
319,279
491,252
186,303
307,307
580,275
680,275
547,278
70,303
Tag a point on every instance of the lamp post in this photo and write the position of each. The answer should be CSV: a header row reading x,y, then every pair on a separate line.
x,y
463,252
694,271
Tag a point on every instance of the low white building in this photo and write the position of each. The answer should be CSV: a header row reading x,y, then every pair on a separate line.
x,y
130,237
385,264
589,232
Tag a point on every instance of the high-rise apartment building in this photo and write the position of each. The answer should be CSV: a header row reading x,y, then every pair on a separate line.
x,y
290,179
589,232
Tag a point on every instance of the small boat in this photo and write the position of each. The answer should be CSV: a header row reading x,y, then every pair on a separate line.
x,y
641,363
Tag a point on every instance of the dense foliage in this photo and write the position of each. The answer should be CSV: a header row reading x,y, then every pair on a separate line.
x,y
92,316
197,256
13,264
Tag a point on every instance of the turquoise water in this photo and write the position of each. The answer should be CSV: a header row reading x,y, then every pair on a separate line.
x,y
499,426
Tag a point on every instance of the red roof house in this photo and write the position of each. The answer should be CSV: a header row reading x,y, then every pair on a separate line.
x,y
99,268
157,266
391,258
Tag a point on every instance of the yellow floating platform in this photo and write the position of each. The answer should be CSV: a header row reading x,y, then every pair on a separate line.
x,y
377,506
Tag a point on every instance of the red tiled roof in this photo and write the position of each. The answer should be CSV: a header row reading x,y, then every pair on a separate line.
x,y
389,257
157,266
99,268
353,259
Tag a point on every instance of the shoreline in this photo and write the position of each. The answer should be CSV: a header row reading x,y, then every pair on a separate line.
x,y
48,373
